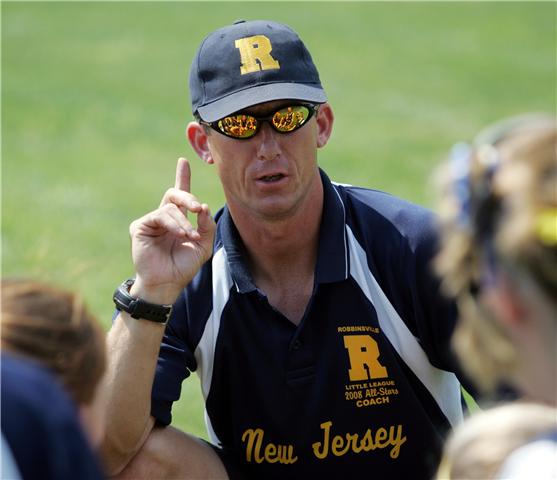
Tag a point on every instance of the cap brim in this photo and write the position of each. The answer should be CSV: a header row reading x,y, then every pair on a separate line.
x,y
260,94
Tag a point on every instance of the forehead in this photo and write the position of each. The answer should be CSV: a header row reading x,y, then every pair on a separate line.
x,y
267,107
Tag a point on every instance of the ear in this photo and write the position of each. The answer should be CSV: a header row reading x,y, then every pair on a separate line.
x,y
199,140
325,120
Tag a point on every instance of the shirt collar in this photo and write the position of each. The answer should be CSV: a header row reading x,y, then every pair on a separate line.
x,y
229,237
332,258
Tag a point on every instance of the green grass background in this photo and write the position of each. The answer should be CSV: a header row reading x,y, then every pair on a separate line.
x,y
95,103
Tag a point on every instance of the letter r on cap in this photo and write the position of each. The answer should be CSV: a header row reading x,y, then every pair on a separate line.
x,y
255,53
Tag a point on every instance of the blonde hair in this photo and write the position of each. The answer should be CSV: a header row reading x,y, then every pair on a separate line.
x,y
478,448
499,212
54,328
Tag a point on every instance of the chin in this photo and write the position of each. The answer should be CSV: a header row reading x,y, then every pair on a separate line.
x,y
276,211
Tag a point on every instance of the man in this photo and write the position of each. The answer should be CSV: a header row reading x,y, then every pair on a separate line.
x,y
308,310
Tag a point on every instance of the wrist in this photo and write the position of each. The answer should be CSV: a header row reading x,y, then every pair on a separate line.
x,y
162,294
138,307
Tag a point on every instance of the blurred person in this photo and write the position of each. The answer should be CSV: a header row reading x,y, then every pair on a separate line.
x,y
41,430
54,328
477,449
308,310
499,255
499,259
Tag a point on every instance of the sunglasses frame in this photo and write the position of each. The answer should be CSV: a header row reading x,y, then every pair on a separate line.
x,y
312,108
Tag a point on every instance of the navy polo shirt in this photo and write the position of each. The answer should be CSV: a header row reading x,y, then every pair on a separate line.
x,y
362,386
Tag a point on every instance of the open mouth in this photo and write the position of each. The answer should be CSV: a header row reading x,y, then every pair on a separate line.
x,y
271,178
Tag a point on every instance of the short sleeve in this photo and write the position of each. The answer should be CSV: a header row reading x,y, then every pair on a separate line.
x,y
175,363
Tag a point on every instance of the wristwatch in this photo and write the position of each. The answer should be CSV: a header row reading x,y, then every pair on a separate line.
x,y
138,308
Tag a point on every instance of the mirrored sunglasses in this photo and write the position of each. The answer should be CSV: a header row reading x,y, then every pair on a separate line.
x,y
243,126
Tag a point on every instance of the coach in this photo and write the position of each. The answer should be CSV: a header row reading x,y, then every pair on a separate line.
x,y
308,309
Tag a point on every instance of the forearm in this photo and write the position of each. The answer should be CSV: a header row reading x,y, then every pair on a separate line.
x,y
133,346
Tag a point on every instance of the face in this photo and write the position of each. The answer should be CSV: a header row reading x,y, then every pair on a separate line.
x,y
271,175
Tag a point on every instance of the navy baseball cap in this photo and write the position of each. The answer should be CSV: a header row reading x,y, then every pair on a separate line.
x,y
249,63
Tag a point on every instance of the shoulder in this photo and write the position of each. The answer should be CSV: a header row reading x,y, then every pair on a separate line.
x,y
379,215
382,205
29,387
41,426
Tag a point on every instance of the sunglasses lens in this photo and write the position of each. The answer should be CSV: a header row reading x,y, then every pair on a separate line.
x,y
284,120
238,126
291,118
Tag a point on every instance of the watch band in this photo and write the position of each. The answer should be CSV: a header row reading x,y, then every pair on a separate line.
x,y
138,308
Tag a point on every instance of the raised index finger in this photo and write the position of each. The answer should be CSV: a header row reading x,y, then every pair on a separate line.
x,y
183,175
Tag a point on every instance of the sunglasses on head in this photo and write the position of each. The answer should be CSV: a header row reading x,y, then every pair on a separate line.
x,y
243,126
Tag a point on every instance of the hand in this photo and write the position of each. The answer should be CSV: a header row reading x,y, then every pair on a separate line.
x,y
167,251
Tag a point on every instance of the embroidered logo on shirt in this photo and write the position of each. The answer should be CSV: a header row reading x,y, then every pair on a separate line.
x,y
369,383
364,358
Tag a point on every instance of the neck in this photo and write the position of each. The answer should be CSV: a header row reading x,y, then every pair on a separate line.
x,y
280,247
275,254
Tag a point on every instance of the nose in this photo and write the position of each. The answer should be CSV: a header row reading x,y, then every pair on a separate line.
x,y
268,147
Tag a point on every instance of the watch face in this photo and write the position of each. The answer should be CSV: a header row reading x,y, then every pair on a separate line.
x,y
122,299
